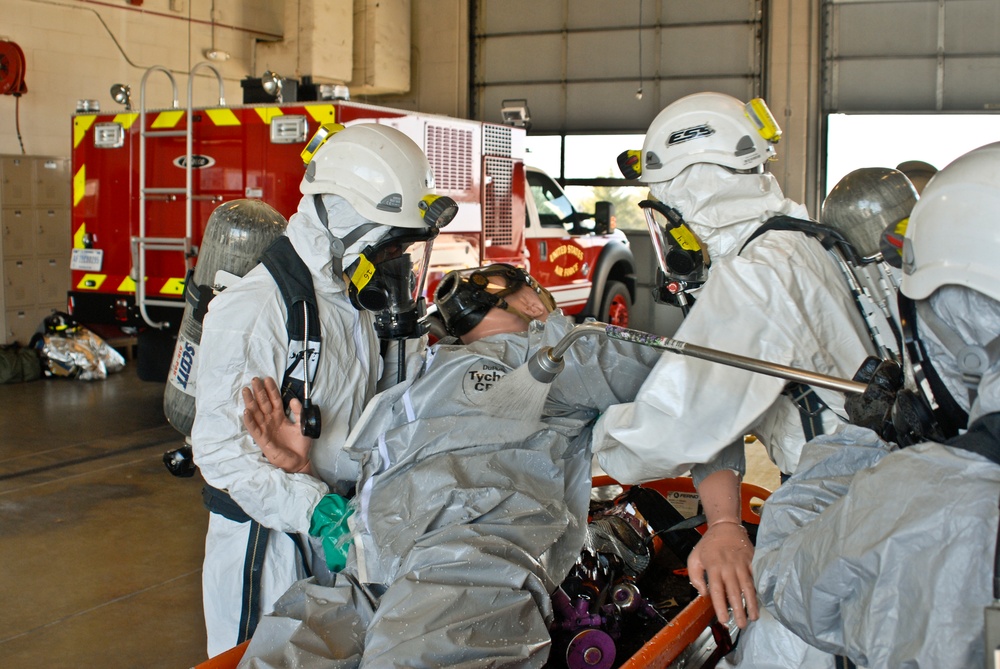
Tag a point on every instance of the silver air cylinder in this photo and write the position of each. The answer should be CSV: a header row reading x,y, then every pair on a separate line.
x,y
236,234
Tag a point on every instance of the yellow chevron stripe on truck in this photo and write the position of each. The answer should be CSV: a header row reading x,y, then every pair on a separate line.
x,y
267,113
81,124
78,236
79,186
173,287
126,120
322,113
168,119
222,116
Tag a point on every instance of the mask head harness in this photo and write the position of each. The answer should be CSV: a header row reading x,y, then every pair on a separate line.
x,y
930,413
464,297
682,265
382,279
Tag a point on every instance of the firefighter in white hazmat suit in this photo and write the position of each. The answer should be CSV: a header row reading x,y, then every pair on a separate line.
x,y
473,498
366,192
886,556
779,296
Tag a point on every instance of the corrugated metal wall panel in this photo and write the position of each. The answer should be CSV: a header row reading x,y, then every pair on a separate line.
x,y
911,55
578,63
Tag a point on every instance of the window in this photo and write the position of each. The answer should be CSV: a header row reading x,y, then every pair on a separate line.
x,y
591,172
886,140
554,207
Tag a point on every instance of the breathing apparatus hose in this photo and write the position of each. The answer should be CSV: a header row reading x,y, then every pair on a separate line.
x,y
857,290
996,568
546,364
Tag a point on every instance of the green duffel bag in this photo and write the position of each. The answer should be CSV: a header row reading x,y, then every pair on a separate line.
x,y
19,363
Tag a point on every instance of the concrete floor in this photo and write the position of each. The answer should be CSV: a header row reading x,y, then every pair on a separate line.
x,y
101,547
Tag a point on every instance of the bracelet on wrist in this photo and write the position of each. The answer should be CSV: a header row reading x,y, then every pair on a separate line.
x,y
725,520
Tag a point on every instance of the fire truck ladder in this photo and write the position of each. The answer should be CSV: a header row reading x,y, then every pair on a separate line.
x,y
142,244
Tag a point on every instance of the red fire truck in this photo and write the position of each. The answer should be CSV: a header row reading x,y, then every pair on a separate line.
x,y
145,183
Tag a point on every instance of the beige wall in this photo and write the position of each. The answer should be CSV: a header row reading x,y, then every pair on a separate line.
x,y
77,49
792,70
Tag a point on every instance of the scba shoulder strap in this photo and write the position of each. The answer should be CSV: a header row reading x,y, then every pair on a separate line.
x,y
296,287
809,404
826,235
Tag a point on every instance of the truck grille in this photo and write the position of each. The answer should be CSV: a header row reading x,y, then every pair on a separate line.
x,y
498,224
449,151
496,140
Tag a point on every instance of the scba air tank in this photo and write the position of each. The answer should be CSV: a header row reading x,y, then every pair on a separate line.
x,y
236,234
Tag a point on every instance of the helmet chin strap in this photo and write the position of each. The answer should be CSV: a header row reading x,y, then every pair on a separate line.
x,y
972,360
339,245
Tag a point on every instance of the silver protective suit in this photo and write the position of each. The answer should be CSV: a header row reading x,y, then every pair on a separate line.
x,y
782,299
884,555
245,337
468,513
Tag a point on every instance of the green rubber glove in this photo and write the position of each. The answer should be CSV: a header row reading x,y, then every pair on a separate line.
x,y
329,523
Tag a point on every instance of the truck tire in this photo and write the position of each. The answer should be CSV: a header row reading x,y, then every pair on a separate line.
x,y
616,305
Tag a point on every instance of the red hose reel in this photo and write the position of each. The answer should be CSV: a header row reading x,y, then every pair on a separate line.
x,y
11,69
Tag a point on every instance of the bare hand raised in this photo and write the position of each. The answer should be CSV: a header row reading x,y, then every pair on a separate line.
x,y
279,437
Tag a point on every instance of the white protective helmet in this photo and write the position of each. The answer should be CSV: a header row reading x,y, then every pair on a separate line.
x,y
380,171
704,128
866,202
953,236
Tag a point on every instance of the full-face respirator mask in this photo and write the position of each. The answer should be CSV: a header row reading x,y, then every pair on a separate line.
x,y
384,278
682,265
464,297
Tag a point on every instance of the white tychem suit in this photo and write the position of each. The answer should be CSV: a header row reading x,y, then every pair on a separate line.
x,y
782,299
245,337
471,509
367,197
886,555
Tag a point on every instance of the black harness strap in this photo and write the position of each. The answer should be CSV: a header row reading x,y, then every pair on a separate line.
x,y
841,662
253,568
824,234
809,404
219,501
295,283
982,437
810,408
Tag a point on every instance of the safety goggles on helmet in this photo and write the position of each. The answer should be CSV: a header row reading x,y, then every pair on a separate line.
x,y
464,297
681,260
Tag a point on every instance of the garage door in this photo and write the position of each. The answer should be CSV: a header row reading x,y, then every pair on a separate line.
x,y
911,55
581,64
